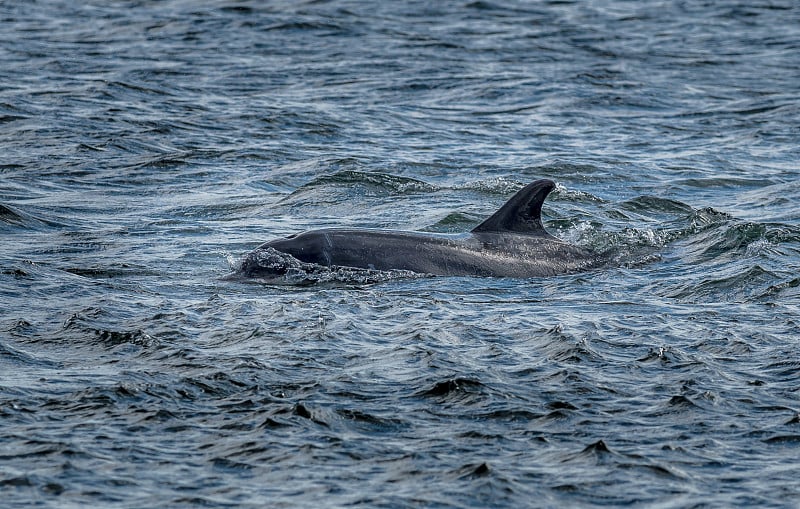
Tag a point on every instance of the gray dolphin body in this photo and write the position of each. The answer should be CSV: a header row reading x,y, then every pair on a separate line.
x,y
510,243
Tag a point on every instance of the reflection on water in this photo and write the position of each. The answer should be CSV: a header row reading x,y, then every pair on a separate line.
x,y
148,147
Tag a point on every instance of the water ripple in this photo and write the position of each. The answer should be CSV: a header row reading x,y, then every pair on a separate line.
x,y
148,147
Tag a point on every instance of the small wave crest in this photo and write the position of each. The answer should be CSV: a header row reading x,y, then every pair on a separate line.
x,y
18,218
374,182
496,185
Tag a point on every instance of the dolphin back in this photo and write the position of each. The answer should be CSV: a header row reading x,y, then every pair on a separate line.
x,y
521,214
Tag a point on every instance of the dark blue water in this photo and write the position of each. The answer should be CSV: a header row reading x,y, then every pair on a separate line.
x,y
147,147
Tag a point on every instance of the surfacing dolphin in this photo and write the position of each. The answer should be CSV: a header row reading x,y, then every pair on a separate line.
x,y
510,243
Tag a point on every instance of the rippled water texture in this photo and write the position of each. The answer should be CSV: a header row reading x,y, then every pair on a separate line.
x,y
147,147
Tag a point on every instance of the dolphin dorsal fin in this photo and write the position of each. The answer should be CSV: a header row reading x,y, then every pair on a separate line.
x,y
522,213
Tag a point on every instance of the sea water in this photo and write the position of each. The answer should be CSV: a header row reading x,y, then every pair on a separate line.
x,y
147,147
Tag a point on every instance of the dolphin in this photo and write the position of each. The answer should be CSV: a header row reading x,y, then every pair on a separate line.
x,y
512,242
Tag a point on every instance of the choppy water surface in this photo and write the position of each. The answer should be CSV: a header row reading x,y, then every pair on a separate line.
x,y
148,146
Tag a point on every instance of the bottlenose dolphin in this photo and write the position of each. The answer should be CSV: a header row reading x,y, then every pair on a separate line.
x,y
510,243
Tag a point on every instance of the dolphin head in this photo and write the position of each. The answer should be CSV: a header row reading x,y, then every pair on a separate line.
x,y
309,247
293,256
